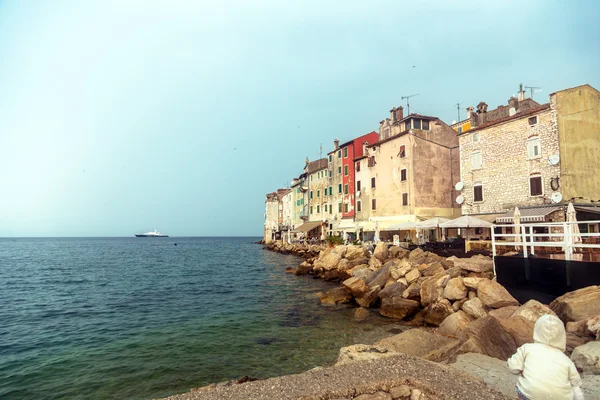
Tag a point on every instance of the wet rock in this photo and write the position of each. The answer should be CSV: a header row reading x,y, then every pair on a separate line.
x,y
587,358
361,314
290,270
455,289
494,295
454,324
577,305
437,312
370,298
398,307
475,308
331,275
432,289
339,295
362,352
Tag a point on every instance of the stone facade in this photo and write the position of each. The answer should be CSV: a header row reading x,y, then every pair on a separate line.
x,y
317,183
506,163
271,217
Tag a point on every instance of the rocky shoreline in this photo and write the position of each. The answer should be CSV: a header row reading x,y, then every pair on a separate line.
x,y
455,307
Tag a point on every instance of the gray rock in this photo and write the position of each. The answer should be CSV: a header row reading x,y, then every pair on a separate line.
x,y
587,358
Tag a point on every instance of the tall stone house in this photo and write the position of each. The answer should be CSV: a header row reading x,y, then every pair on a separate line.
x,y
271,217
408,175
318,178
538,157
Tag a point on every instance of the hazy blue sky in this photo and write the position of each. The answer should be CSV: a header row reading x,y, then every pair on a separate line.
x,y
125,116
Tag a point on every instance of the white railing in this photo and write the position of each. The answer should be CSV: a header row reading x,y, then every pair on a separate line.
x,y
560,234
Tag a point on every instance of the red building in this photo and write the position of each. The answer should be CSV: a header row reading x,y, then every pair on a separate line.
x,y
350,151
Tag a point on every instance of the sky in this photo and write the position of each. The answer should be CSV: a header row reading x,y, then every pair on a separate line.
x,y
119,117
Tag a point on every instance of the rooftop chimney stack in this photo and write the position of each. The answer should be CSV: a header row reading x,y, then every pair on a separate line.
x,y
521,93
393,114
400,113
513,105
336,144
469,112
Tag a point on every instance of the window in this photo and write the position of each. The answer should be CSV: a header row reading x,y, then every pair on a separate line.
x,y
345,207
532,120
533,147
340,207
373,182
311,194
330,173
359,206
325,207
318,209
357,166
402,152
459,129
340,169
339,154
476,160
345,152
340,188
476,137
346,188
330,208
311,209
372,161
403,174
535,186
330,158
404,199
318,193
478,192
373,204
407,125
417,124
425,125
358,186
345,170
331,190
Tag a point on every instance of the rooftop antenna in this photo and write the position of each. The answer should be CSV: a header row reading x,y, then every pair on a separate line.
x,y
407,101
532,89
458,110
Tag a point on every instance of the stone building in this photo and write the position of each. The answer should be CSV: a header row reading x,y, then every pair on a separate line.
x,y
271,217
334,193
540,156
318,179
408,175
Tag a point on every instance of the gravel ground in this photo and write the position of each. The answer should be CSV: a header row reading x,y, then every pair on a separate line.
x,y
435,380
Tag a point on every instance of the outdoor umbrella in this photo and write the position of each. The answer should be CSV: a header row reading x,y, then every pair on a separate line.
x,y
432,223
517,222
466,221
572,217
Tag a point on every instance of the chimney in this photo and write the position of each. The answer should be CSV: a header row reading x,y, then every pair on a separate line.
x,y
469,112
336,144
393,114
364,149
400,113
521,93
513,106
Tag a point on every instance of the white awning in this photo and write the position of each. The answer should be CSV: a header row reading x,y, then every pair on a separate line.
x,y
431,223
533,214
307,226
404,226
466,221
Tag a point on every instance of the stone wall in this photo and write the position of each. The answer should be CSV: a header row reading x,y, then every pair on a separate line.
x,y
506,168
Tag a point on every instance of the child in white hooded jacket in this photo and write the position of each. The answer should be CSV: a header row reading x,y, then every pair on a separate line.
x,y
546,373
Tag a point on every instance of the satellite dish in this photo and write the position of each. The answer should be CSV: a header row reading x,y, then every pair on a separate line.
x,y
554,159
556,197
459,186
460,199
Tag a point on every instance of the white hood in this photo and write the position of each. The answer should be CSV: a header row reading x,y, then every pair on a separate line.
x,y
549,330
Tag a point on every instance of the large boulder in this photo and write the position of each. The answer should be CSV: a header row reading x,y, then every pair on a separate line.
x,y
477,263
356,286
475,308
413,292
393,290
398,252
398,307
473,283
587,358
375,263
431,258
361,271
421,343
455,289
381,251
369,298
362,352
454,324
431,269
577,305
532,310
519,328
328,262
417,256
355,252
437,312
339,295
380,277
486,336
432,289
413,275
494,295
504,312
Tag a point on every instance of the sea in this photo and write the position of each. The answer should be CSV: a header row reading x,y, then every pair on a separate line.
x,y
143,318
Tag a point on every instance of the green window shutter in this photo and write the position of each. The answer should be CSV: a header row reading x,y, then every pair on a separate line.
x,y
345,152
311,209
311,194
340,188
339,207
317,209
346,189
318,193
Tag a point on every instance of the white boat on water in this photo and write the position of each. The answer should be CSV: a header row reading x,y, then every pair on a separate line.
x,y
151,234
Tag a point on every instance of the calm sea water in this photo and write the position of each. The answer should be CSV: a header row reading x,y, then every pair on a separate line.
x,y
142,318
